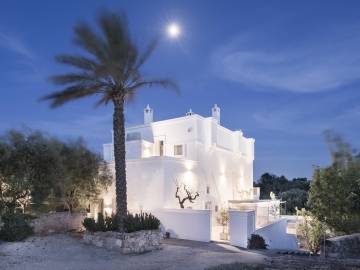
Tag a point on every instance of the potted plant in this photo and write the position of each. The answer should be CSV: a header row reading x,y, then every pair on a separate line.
x,y
222,219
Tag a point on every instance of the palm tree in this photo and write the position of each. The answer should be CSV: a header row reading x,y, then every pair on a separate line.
x,y
113,75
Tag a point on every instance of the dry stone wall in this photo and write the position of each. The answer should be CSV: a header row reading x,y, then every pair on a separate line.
x,y
135,242
342,246
58,222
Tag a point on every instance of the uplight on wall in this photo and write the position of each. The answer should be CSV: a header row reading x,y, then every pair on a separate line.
x,y
108,209
222,179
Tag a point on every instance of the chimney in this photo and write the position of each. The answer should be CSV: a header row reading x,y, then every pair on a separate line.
x,y
216,113
190,113
148,115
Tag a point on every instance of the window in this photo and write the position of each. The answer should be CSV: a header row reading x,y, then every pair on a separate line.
x,y
133,136
207,205
207,190
216,208
178,150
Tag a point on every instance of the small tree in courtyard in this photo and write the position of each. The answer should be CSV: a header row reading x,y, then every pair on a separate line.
x,y
191,192
312,229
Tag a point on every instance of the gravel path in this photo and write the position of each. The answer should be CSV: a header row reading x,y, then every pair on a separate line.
x,y
66,251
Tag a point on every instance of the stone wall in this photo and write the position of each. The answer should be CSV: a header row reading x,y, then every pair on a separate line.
x,y
135,242
342,246
58,222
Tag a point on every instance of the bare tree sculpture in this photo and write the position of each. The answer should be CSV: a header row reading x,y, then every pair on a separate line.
x,y
191,192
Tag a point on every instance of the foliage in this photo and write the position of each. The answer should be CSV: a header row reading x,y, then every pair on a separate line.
x,y
274,210
256,242
277,184
245,194
222,217
294,198
103,224
85,175
35,167
312,229
112,73
28,167
15,227
140,222
334,194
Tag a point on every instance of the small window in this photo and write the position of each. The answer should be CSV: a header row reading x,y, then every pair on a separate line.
x,y
133,136
178,150
207,189
216,208
207,205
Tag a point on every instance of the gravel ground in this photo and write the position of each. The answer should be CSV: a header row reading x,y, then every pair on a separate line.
x,y
294,263
67,251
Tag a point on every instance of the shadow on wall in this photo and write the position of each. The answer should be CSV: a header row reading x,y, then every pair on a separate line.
x,y
172,233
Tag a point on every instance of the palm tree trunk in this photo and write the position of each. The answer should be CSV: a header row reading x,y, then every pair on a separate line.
x,y
120,163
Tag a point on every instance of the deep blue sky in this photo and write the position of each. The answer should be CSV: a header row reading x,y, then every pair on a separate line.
x,y
281,71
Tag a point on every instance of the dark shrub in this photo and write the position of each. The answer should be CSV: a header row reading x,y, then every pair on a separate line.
x,y
15,227
144,221
256,242
109,223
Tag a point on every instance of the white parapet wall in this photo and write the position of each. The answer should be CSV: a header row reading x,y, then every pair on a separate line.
x,y
58,222
274,233
292,242
242,225
187,224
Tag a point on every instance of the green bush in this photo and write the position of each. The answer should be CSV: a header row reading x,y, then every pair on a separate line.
x,y
256,242
144,221
15,227
109,223
132,223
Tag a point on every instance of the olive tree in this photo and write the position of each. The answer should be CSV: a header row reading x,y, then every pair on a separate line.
x,y
334,194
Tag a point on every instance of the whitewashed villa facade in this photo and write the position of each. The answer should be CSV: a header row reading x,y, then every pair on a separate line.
x,y
195,151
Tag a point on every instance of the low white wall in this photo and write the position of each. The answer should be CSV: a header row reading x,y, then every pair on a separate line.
x,y
58,222
274,233
292,242
187,224
242,225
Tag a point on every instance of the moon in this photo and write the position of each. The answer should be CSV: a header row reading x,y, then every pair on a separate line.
x,y
173,30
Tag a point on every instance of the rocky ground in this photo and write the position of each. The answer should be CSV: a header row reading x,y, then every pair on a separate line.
x,y
67,251
295,263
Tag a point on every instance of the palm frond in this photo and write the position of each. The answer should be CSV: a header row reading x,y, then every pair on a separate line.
x,y
147,53
165,83
80,77
76,61
116,31
70,93
105,99
91,42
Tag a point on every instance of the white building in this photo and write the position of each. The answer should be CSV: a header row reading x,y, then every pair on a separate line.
x,y
197,152
190,149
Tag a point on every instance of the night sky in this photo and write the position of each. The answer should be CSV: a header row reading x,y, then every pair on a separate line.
x,y
281,71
